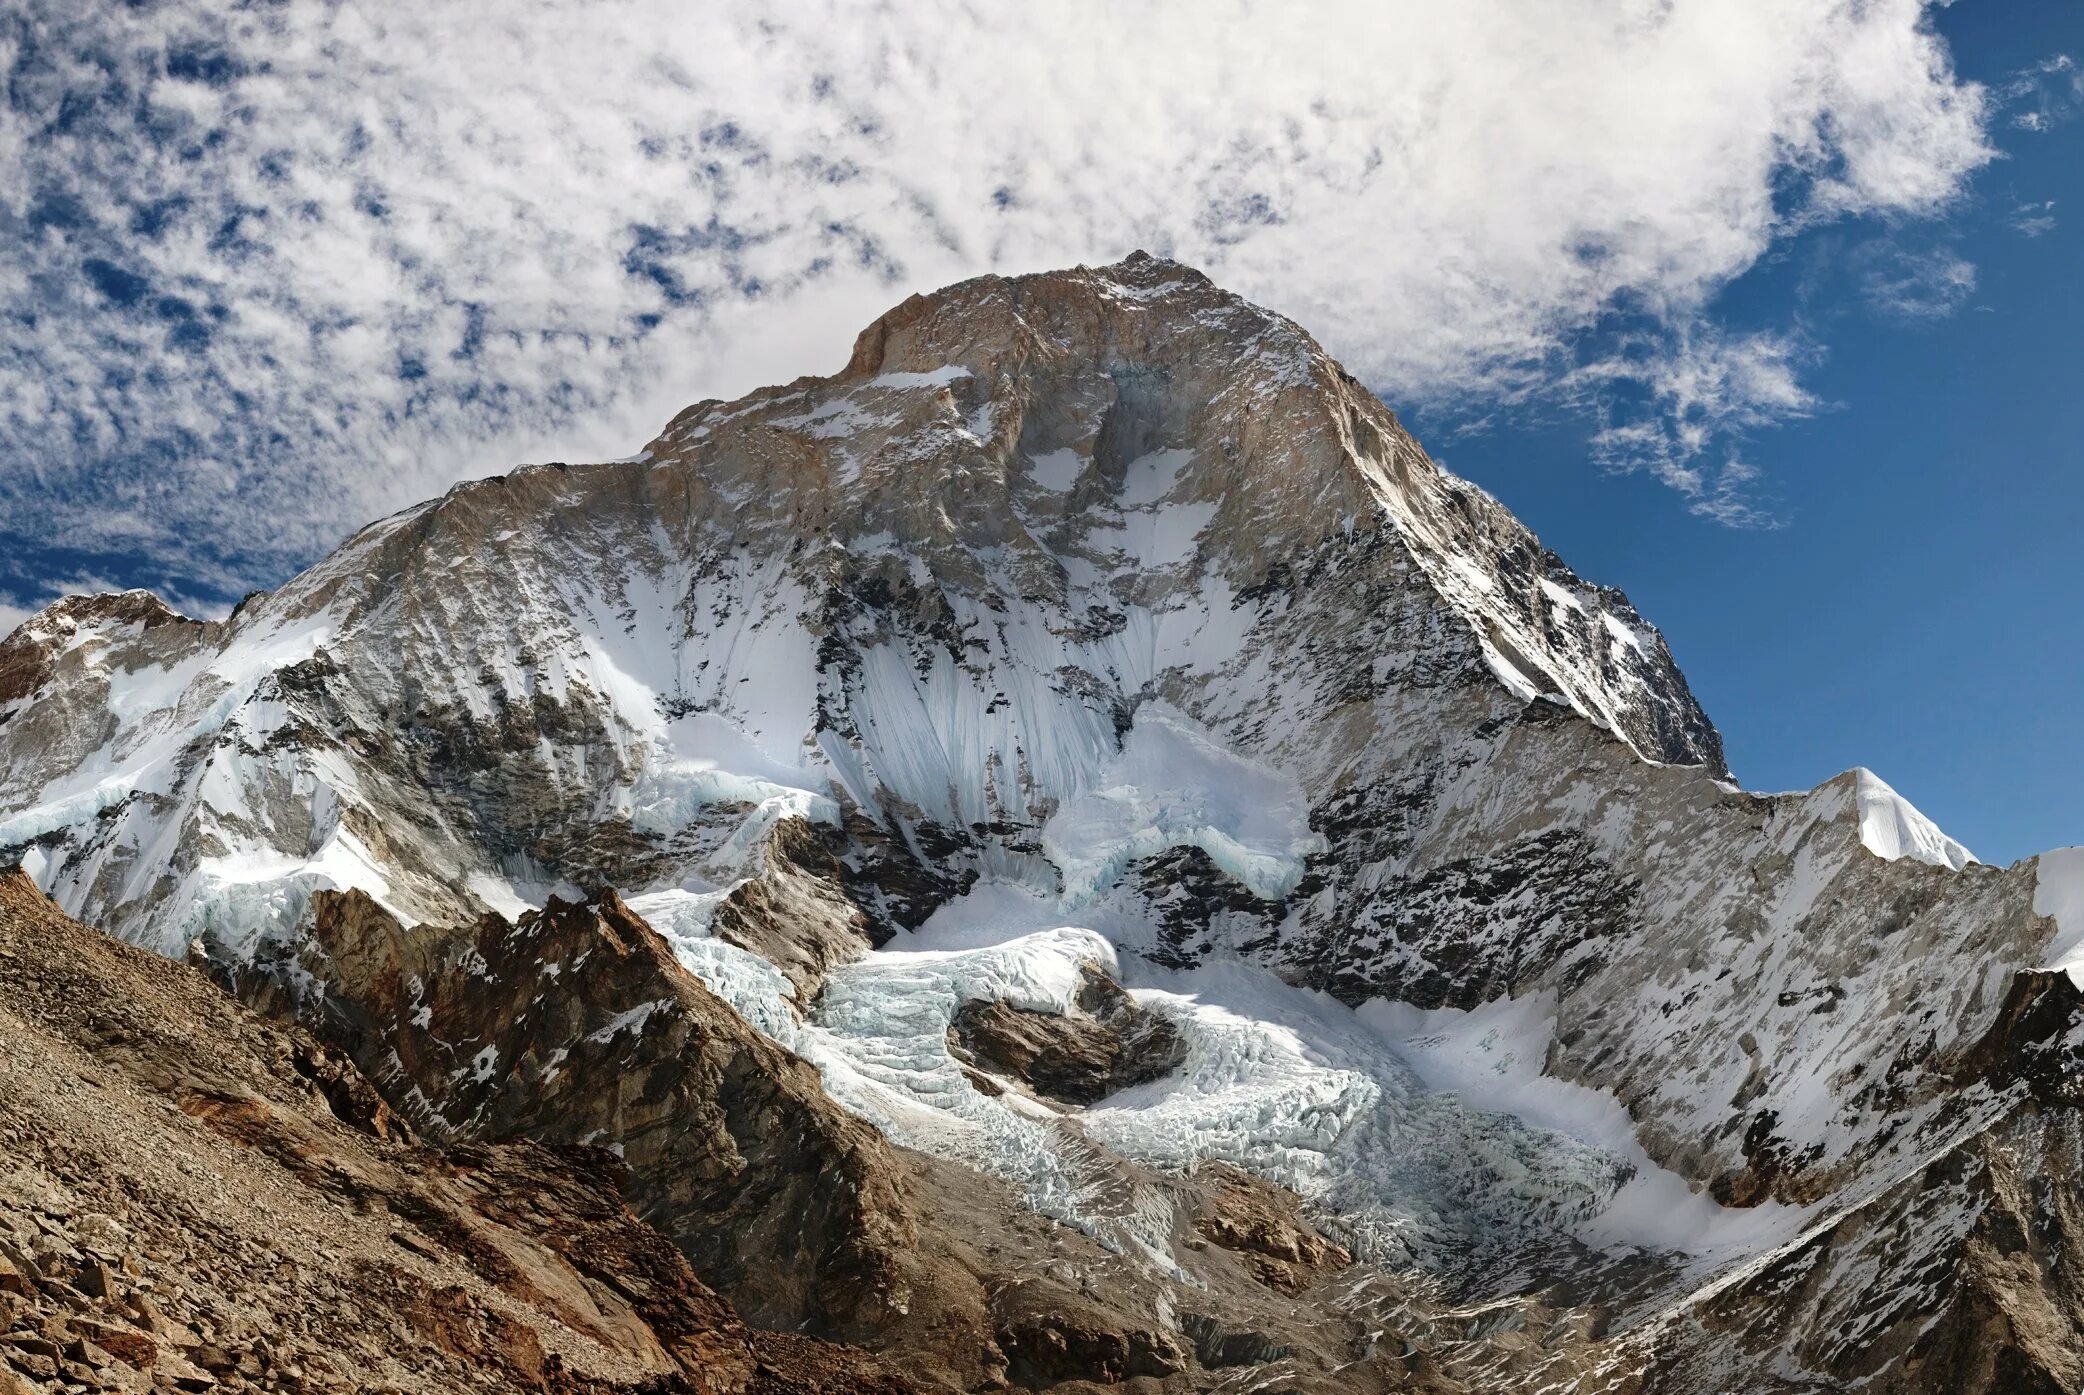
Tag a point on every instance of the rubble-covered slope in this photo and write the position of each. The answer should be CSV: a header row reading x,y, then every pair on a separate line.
x,y
1097,622
194,1198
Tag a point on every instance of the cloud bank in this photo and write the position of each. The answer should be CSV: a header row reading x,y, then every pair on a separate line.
x,y
283,268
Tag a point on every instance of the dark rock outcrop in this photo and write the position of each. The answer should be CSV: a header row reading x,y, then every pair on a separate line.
x,y
576,1025
1108,1044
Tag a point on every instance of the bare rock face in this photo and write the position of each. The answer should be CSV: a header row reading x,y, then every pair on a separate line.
x,y
1050,1339
575,1025
196,1199
797,915
1107,1044
1264,1224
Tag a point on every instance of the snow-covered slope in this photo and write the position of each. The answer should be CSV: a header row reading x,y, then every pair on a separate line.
x,y
1098,616
1891,827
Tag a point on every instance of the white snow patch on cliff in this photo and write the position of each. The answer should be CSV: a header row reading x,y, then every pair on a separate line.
x,y
939,377
1492,1058
1622,635
1057,470
1174,785
2058,893
1149,478
498,894
1892,828
1561,598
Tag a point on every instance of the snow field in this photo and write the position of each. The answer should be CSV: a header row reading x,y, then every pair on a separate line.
x,y
2058,893
1891,827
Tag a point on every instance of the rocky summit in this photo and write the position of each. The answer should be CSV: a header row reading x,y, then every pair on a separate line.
x,y
1068,853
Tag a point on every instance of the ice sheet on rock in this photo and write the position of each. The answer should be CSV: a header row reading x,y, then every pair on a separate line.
x,y
1262,1087
1892,828
1290,1085
242,899
1492,1058
879,1036
759,992
1155,530
1174,785
2058,893
1283,1082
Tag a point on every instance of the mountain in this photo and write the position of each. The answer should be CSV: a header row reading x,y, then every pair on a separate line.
x,y
1071,850
198,1198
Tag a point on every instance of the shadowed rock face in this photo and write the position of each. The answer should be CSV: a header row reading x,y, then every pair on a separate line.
x,y
1098,598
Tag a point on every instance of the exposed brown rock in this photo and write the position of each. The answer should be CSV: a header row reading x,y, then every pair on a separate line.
x,y
795,914
1109,1044
1263,1224
577,1025
183,1209
1051,1337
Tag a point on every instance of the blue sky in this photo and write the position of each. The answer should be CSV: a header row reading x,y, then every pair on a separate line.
x,y
1761,309
1919,609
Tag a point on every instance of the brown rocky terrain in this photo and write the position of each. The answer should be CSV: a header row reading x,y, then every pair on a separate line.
x,y
1107,1043
193,1198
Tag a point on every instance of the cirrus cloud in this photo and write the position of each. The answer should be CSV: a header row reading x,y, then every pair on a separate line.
x,y
285,267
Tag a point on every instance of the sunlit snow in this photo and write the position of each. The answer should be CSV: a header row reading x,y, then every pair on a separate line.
x,y
1891,827
1174,785
2058,893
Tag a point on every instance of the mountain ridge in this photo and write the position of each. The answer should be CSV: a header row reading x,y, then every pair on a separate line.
x,y
1096,622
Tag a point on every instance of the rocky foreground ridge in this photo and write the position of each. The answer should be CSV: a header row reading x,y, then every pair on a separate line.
x,y
196,1199
1067,853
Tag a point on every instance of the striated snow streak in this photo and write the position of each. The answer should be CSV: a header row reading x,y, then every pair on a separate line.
x,y
1172,785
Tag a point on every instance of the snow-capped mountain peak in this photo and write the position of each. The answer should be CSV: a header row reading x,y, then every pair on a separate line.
x,y
1092,659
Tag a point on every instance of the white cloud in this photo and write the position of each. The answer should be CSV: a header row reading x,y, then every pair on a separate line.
x,y
330,258
2033,218
1911,285
11,616
2043,95
1669,400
